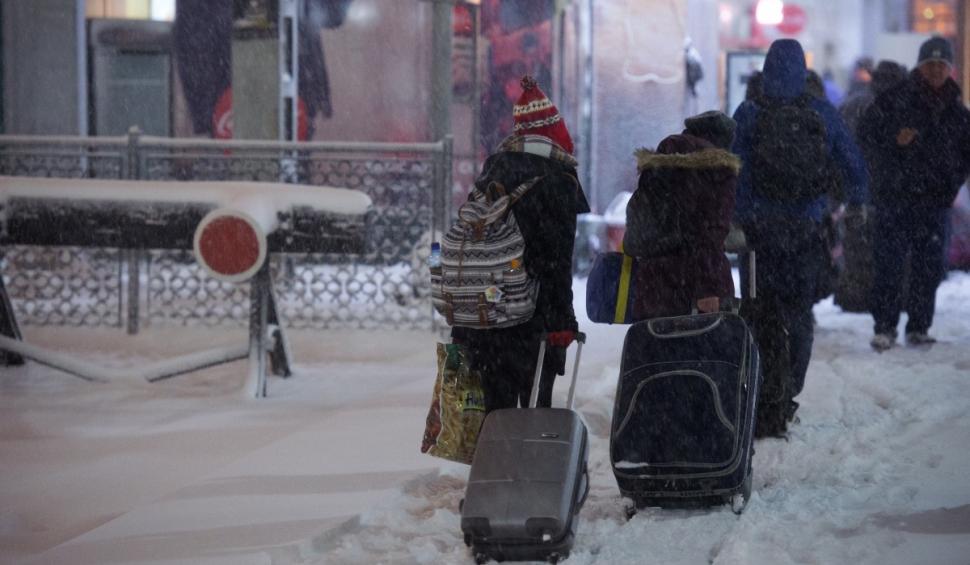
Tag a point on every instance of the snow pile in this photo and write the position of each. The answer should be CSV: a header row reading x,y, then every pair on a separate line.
x,y
327,470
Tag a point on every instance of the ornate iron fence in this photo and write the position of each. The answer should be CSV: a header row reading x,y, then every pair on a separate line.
x,y
387,286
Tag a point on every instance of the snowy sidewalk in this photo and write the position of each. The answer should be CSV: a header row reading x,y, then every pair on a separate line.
x,y
327,469
192,470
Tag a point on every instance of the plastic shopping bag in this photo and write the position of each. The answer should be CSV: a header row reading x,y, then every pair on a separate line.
x,y
457,408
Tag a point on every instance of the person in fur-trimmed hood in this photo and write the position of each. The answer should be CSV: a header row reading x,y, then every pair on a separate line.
x,y
679,216
546,215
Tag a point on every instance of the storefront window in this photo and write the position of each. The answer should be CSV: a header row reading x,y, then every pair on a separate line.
x,y
163,10
935,17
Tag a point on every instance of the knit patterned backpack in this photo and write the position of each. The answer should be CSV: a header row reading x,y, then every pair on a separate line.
x,y
482,282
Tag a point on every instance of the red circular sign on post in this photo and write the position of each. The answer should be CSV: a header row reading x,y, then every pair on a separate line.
x,y
229,245
793,19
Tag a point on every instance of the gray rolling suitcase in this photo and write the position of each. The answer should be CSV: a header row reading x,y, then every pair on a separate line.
x,y
528,480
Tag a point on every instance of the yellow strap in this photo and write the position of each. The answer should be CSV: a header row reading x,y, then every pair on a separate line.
x,y
623,292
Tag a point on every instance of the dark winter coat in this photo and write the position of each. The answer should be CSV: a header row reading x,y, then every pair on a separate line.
x,y
546,216
702,181
928,172
784,78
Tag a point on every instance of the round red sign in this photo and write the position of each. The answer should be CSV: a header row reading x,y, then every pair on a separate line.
x,y
793,20
229,246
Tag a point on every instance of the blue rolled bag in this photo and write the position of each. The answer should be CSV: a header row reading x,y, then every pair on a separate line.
x,y
610,289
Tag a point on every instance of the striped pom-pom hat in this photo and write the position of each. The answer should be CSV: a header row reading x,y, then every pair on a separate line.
x,y
535,114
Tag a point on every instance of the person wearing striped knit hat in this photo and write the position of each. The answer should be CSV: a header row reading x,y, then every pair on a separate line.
x,y
539,147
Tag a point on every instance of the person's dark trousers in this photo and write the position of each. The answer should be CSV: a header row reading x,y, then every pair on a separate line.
x,y
789,258
508,374
918,233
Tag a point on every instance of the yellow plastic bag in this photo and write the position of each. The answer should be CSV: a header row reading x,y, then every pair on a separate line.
x,y
457,408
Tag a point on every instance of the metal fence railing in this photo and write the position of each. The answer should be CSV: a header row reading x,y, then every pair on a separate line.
x,y
386,286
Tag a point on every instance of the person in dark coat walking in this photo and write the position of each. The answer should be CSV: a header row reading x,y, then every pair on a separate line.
x,y
546,215
784,231
885,76
690,180
917,137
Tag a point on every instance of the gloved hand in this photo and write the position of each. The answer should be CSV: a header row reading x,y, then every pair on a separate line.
x,y
561,338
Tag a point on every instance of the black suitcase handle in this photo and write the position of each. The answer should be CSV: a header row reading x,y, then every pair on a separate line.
x,y
684,326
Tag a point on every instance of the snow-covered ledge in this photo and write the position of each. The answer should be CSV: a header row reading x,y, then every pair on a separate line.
x,y
259,198
253,206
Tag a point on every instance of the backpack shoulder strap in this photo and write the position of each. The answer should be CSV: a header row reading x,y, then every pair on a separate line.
x,y
496,190
520,190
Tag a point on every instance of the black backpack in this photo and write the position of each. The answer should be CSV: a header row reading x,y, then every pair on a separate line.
x,y
789,155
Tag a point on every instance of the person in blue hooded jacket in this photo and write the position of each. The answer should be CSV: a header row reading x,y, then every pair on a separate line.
x,y
783,229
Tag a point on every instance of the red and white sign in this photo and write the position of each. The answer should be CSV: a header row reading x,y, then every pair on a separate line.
x,y
229,245
794,19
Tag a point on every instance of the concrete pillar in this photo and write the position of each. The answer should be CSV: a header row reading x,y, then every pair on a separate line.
x,y
265,67
47,35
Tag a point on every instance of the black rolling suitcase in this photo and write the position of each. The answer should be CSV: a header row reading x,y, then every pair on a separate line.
x,y
528,481
684,415
854,283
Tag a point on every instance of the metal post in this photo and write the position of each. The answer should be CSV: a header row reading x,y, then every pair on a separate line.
x,y
289,105
587,78
289,58
132,257
963,26
443,207
132,260
279,354
441,68
81,57
8,327
132,165
258,314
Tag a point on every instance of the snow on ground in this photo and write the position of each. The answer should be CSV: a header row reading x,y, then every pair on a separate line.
x,y
327,469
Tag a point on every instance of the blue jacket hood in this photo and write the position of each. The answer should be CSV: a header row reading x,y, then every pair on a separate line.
x,y
785,70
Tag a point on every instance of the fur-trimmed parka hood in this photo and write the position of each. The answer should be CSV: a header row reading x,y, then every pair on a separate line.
x,y
711,158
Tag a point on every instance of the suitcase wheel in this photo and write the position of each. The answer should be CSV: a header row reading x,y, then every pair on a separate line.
x,y
630,510
740,500
481,558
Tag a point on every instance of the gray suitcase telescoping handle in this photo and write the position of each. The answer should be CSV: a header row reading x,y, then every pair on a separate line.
x,y
534,397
